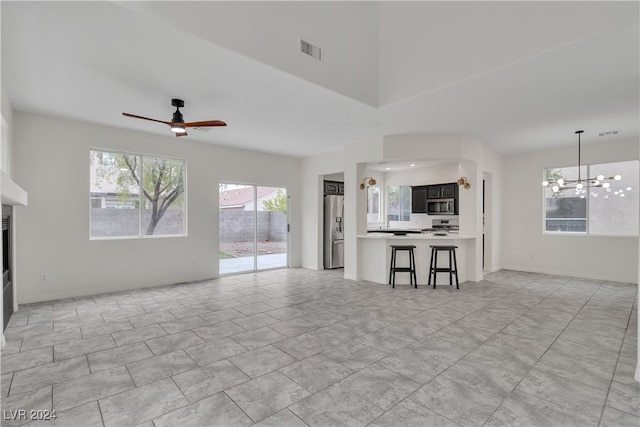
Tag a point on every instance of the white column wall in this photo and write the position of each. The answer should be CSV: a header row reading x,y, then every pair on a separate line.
x,y
494,211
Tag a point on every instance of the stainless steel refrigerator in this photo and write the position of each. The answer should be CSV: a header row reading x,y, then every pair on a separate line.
x,y
333,232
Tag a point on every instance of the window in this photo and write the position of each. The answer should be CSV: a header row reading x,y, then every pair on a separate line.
x,y
598,210
374,211
133,195
399,203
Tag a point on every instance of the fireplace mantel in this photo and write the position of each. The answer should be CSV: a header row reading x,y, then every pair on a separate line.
x,y
12,193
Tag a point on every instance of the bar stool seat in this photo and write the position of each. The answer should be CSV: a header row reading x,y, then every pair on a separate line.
x,y
411,269
452,269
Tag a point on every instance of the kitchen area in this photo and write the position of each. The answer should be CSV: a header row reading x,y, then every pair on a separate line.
x,y
419,203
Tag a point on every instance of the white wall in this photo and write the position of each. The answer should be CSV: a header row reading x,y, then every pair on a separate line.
x,y
525,247
6,151
52,165
313,170
492,174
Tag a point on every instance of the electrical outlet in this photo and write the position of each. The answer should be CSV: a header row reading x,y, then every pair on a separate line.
x,y
44,277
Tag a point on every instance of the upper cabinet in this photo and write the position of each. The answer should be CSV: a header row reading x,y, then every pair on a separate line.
x,y
442,191
333,188
433,192
419,199
438,199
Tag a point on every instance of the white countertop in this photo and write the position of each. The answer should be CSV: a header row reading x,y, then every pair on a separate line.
x,y
415,236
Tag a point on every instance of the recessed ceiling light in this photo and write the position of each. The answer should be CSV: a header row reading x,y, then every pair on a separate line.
x,y
412,164
387,168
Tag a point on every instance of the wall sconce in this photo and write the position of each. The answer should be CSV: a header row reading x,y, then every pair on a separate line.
x,y
371,181
464,182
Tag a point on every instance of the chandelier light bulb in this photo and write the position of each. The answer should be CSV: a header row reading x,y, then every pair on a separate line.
x,y
617,177
605,185
596,182
628,188
560,182
545,183
579,186
555,188
600,177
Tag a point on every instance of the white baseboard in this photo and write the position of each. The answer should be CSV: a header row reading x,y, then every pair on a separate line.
x,y
579,275
94,291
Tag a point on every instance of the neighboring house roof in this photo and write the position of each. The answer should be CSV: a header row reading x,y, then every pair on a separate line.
x,y
238,197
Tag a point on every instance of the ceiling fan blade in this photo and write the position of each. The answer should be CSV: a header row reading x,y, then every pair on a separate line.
x,y
145,118
204,124
181,134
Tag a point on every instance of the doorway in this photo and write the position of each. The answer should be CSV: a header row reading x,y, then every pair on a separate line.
x,y
254,228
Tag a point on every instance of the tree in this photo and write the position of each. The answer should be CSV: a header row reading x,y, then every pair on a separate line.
x,y
552,175
161,181
276,204
162,184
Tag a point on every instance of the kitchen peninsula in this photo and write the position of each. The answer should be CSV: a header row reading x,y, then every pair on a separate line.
x,y
376,255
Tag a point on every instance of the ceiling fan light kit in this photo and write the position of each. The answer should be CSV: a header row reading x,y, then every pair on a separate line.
x,y
177,124
580,185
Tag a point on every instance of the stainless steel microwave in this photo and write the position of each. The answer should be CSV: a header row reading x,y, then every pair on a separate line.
x,y
441,207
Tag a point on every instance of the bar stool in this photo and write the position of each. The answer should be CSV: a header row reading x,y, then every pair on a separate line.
x,y
411,269
453,266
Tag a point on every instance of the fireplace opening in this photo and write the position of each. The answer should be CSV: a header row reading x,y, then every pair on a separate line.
x,y
7,282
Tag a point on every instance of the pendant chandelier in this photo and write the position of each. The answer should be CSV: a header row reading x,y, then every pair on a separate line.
x,y
580,184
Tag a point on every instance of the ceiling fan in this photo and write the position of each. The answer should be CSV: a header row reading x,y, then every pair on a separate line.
x,y
177,124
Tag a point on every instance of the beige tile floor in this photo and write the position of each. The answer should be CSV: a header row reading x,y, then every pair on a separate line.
x,y
295,347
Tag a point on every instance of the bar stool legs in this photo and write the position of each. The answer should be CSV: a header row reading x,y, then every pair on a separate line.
x,y
411,269
453,265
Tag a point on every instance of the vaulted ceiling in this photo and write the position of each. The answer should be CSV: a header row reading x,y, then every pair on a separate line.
x,y
515,75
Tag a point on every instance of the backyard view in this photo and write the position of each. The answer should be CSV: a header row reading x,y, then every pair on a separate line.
x,y
253,228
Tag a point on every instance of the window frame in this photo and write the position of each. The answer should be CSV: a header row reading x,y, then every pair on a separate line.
x,y
380,204
587,231
141,200
388,209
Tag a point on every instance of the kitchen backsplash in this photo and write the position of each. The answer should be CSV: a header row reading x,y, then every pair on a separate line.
x,y
418,221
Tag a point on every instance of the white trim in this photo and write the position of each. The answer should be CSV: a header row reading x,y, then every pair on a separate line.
x,y
577,275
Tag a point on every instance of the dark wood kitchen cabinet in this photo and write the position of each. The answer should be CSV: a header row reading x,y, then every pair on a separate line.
x,y
449,191
419,199
442,191
433,192
333,188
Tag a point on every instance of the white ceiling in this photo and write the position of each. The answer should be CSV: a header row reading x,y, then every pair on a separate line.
x,y
517,76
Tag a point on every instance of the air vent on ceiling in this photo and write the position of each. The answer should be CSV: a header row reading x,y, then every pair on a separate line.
x,y
608,133
311,50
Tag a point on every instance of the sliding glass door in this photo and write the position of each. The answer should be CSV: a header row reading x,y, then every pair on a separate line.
x,y
254,228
